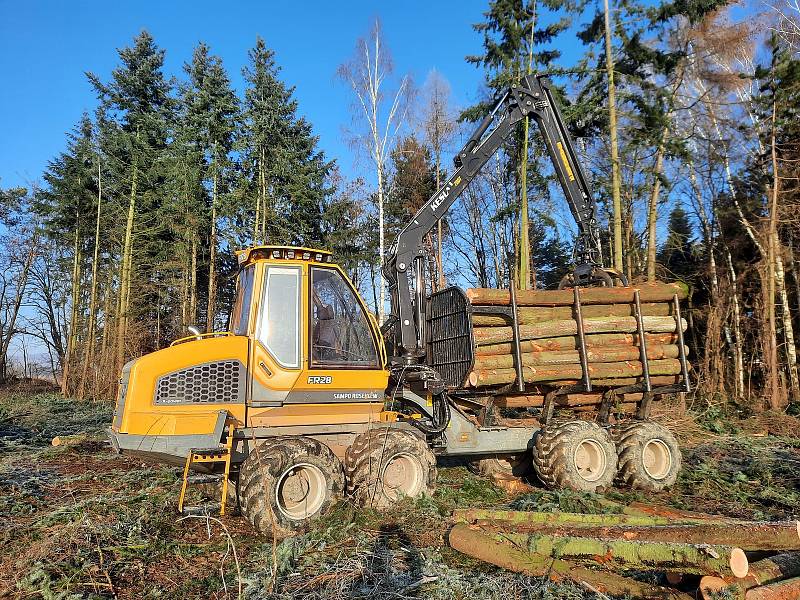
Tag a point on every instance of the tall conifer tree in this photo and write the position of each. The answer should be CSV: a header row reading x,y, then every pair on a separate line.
x,y
137,111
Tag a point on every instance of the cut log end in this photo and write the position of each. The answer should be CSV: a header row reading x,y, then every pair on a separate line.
x,y
674,578
711,585
739,564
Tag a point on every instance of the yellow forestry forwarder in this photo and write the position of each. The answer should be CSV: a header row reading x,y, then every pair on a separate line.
x,y
306,398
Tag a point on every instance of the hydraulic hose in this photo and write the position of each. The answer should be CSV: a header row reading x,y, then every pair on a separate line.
x,y
440,409
441,416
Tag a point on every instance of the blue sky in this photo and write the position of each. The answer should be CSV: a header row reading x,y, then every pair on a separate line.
x,y
46,47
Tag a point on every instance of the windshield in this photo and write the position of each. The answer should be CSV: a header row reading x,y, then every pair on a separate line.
x,y
340,335
244,294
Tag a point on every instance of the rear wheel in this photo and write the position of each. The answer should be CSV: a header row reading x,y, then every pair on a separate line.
x,y
288,481
578,455
649,456
385,465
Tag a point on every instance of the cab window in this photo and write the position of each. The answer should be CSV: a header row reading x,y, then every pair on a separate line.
x,y
340,333
279,326
244,297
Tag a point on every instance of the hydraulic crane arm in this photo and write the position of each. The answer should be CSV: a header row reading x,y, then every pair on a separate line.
x,y
532,98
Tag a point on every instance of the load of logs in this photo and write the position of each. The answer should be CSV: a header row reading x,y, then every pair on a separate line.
x,y
551,343
699,555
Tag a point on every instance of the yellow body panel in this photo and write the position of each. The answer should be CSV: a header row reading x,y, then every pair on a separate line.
x,y
142,417
299,396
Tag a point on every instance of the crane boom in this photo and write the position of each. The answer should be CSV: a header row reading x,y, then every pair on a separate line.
x,y
532,98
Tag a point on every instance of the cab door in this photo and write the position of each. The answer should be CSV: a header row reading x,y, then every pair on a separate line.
x,y
276,355
344,366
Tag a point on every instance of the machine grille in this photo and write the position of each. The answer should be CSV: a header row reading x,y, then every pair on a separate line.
x,y
214,382
450,346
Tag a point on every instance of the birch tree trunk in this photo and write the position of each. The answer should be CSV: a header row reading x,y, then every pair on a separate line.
x,y
777,400
738,354
708,232
652,213
73,315
193,281
612,124
524,270
125,273
212,251
89,346
366,73
777,283
788,327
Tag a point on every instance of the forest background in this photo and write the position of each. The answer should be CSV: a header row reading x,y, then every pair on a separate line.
x,y
684,113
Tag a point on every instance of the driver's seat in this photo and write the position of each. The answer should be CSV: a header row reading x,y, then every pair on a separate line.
x,y
326,337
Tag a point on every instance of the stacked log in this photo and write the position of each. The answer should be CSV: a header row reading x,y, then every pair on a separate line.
x,y
768,575
590,548
550,341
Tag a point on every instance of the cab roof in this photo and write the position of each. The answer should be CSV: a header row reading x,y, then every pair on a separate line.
x,y
283,252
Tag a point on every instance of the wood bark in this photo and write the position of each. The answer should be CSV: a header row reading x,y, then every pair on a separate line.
x,y
648,292
529,315
696,559
609,354
762,572
518,518
535,400
493,335
781,590
675,515
609,382
484,547
749,536
487,377
570,342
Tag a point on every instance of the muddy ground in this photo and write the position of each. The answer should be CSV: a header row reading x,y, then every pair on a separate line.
x,y
82,522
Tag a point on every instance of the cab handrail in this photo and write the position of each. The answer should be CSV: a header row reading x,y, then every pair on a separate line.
x,y
199,336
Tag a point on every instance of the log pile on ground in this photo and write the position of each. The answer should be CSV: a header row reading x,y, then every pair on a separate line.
x,y
691,550
550,340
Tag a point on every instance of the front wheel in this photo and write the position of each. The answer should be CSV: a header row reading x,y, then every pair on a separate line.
x,y
384,465
286,482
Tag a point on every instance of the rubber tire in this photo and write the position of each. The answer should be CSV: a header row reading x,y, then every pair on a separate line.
x,y
261,471
554,451
504,466
367,458
631,439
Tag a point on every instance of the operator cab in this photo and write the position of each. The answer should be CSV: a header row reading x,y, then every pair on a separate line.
x,y
341,332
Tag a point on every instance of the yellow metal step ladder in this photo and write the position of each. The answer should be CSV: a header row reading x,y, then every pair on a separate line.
x,y
220,454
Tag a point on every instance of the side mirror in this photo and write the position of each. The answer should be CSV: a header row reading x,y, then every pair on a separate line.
x,y
194,331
